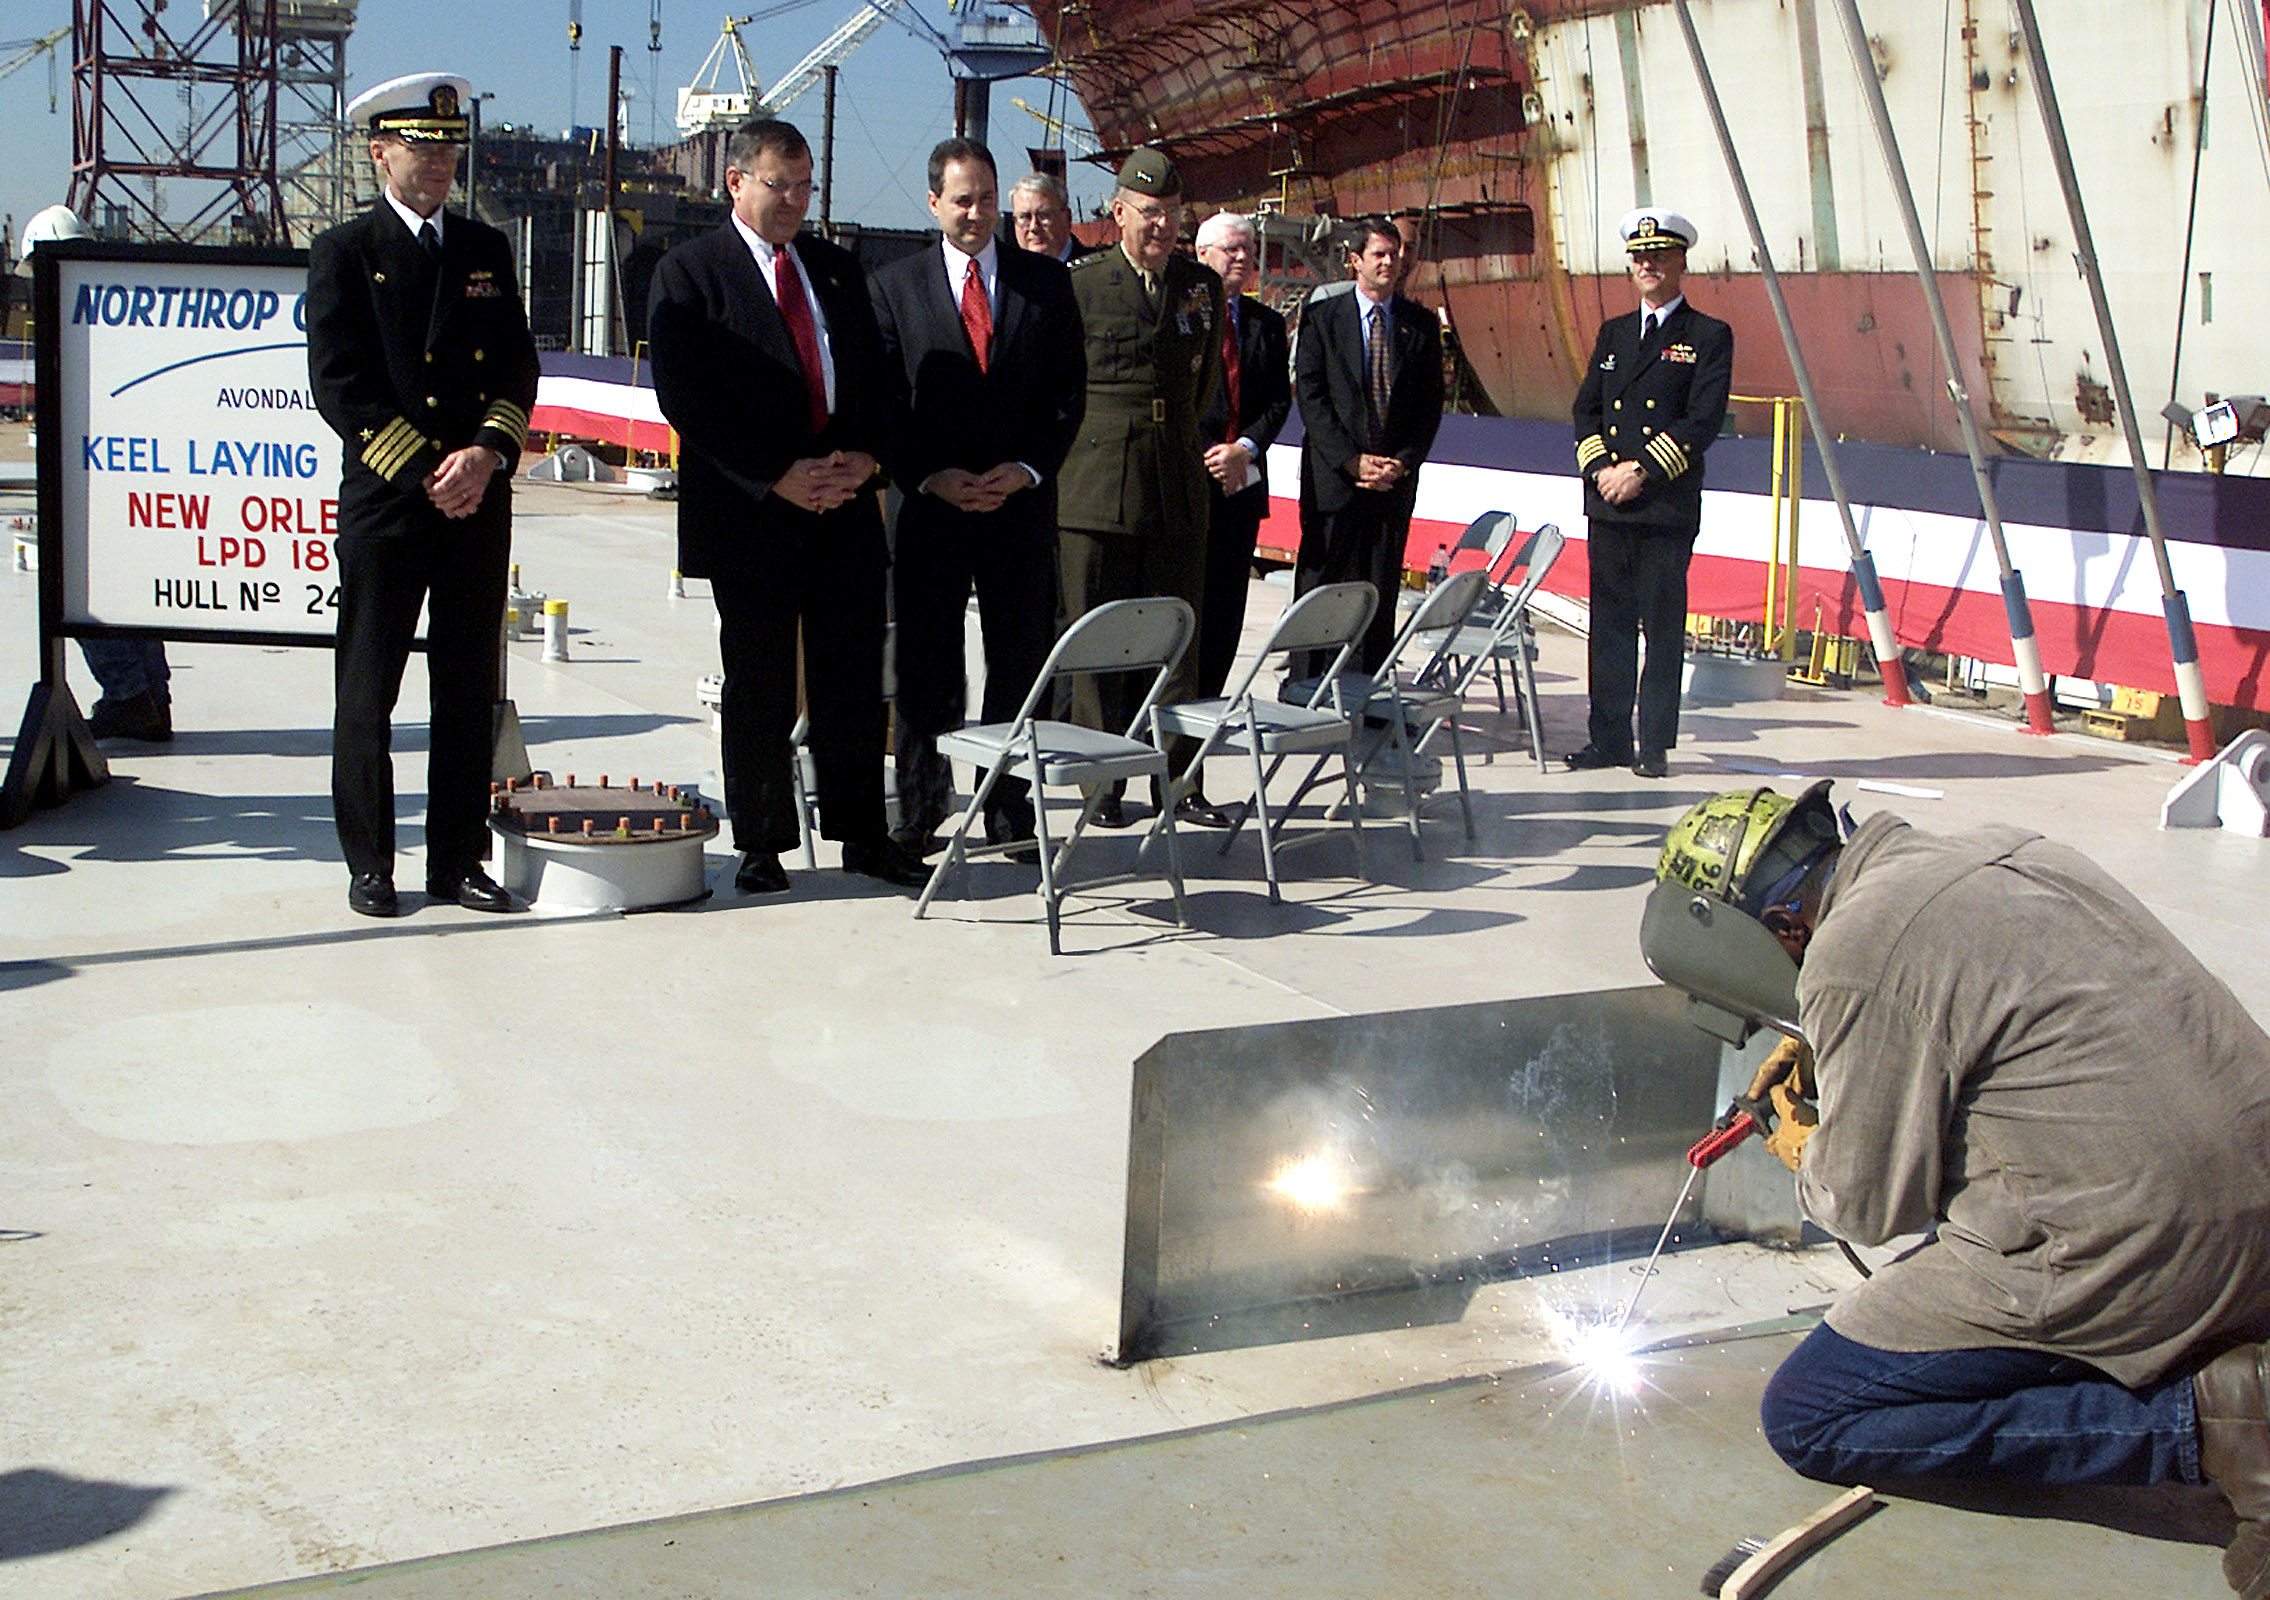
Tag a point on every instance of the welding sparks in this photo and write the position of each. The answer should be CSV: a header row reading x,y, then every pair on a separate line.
x,y
1601,1349
1314,1183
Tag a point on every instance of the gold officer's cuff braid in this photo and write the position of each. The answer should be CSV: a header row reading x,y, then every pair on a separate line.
x,y
508,419
1666,453
1589,450
394,447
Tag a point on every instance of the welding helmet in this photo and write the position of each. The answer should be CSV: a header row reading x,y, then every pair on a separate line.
x,y
1725,863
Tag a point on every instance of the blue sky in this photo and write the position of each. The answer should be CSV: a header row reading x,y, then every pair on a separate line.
x,y
893,102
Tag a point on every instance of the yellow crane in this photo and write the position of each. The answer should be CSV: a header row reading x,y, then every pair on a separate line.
x,y
28,48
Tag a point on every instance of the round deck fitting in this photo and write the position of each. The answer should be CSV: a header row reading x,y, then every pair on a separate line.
x,y
601,847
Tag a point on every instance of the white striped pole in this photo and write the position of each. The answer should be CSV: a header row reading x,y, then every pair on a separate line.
x,y
1888,659
2183,645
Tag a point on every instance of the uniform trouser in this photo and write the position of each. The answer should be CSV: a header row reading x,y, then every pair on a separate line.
x,y
1363,541
825,571
1845,1412
1009,557
1100,567
457,569
1233,524
1639,588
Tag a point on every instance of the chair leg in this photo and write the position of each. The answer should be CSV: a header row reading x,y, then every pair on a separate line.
x,y
1525,686
1049,865
1268,830
1174,871
1465,795
1497,671
957,851
1355,812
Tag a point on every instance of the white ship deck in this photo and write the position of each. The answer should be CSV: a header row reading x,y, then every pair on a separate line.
x,y
330,1244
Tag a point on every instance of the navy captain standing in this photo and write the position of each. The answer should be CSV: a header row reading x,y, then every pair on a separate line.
x,y
1651,403
420,359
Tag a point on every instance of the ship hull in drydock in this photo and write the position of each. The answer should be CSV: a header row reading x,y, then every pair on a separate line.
x,y
1517,138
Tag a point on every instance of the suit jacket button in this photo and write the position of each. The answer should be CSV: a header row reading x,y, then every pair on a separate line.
x,y
479,356
429,358
1618,405
1651,405
432,403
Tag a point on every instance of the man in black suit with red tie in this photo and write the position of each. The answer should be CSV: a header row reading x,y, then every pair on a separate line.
x,y
768,364
983,349
1249,409
1368,375
1651,402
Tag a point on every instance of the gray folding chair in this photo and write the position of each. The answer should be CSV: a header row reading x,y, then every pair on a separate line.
x,y
1331,617
1500,631
1147,635
804,772
1401,712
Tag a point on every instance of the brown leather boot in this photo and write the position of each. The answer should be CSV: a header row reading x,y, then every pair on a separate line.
x,y
2233,1395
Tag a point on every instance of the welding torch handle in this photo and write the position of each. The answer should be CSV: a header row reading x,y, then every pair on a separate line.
x,y
1716,1143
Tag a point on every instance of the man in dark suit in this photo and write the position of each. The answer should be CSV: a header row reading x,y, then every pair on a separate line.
x,y
419,357
1651,403
1041,211
983,348
768,364
1243,422
1133,500
1368,374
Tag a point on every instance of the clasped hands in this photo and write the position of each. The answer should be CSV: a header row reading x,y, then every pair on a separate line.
x,y
977,491
1379,473
822,483
1621,483
1785,1081
459,484
1230,465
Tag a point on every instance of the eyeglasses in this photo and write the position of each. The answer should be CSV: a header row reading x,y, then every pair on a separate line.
x,y
801,189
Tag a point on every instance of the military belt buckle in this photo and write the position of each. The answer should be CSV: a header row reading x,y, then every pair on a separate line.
x,y
1158,411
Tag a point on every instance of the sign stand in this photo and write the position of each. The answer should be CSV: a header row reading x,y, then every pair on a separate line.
x,y
55,755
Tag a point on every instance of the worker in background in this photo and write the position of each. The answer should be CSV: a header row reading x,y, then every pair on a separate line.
x,y
1250,407
1651,402
2006,1053
1041,211
1368,374
1133,500
420,359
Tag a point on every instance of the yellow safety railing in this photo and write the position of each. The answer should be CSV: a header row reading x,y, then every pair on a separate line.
x,y
1779,633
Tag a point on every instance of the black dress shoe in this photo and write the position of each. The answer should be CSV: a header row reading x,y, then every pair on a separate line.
x,y
760,873
1591,759
1201,812
918,842
887,860
371,894
473,889
1651,764
1111,812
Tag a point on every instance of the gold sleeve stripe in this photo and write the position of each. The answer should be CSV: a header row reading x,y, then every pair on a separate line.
x,y
393,449
506,418
1668,454
1589,449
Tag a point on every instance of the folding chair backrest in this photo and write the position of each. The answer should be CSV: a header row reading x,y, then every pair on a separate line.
x,y
1542,550
1447,605
1327,616
1487,533
1118,636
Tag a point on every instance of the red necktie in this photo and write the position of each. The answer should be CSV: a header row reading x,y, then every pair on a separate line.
x,y
977,316
1230,375
796,311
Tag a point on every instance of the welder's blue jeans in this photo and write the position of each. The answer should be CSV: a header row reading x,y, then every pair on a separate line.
x,y
1848,1413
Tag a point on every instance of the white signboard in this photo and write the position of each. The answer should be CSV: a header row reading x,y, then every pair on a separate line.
x,y
199,488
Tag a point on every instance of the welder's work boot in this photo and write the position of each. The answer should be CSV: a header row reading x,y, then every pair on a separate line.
x,y
2233,1395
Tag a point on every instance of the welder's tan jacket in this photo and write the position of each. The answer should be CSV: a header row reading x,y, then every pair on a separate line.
x,y
2014,1051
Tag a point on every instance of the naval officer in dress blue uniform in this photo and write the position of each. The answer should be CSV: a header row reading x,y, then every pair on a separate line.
x,y
419,356
1651,403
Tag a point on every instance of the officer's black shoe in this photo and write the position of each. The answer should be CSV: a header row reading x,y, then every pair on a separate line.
x,y
1651,764
1590,759
760,873
473,889
1201,812
371,894
1111,812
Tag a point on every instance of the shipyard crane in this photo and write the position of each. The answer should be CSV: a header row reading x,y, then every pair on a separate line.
x,y
1069,135
703,104
28,49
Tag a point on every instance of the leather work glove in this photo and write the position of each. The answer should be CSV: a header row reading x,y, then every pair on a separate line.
x,y
1790,1061
1794,1122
